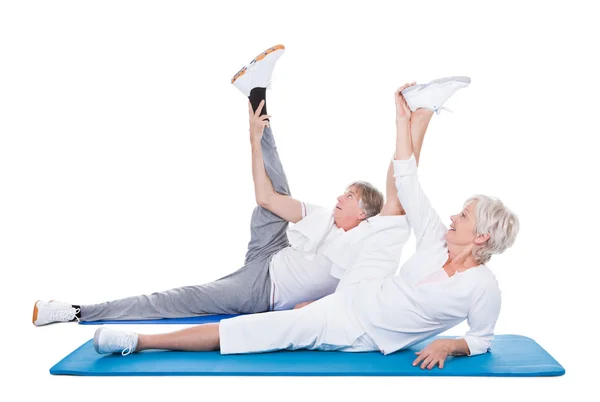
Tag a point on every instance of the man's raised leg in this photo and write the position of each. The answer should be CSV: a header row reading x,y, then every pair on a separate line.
x,y
267,230
243,291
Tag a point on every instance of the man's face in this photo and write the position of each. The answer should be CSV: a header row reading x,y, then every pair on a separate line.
x,y
347,209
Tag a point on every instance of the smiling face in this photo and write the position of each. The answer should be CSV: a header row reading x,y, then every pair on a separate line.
x,y
462,230
348,212
484,227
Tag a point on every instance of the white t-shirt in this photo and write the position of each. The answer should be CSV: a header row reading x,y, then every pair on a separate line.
x,y
295,279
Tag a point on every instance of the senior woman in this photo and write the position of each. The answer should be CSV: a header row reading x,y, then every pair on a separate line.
x,y
442,284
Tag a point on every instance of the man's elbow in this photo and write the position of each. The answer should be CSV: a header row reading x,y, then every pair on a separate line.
x,y
266,199
263,202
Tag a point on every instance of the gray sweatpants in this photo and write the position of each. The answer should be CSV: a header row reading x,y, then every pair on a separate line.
x,y
246,290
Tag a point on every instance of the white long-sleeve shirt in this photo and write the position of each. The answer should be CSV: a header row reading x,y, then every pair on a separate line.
x,y
399,311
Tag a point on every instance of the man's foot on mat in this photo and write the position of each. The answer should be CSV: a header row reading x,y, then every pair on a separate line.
x,y
258,73
107,340
434,94
53,311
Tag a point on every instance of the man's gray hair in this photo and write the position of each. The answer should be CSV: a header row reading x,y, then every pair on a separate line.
x,y
493,217
370,199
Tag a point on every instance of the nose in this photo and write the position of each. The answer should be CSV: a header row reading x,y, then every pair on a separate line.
x,y
340,198
452,218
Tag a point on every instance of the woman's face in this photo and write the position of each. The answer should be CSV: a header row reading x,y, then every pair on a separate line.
x,y
462,230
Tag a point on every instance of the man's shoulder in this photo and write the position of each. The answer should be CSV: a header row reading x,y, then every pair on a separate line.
x,y
310,208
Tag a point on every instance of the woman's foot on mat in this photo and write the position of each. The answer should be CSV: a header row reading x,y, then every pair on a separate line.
x,y
53,311
107,340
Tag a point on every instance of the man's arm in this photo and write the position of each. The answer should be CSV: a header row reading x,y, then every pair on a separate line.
x,y
303,304
283,206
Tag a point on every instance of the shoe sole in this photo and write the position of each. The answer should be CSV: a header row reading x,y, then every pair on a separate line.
x,y
35,313
459,78
257,58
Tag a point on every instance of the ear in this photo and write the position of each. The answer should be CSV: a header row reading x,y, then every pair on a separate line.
x,y
482,238
362,216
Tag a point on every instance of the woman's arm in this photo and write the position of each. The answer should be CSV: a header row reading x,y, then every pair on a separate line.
x,y
404,149
481,319
437,351
392,204
421,216
419,120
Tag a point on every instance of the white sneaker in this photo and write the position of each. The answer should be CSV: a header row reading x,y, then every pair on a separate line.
x,y
53,311
434,94
258,73
108,340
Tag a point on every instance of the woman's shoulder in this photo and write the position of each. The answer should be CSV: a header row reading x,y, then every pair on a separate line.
x,y
484,278
488,282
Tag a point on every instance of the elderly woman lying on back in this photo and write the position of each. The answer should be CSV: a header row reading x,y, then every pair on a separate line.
x,y
442,284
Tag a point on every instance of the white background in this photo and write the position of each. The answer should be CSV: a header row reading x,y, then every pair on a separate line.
x,y
125,164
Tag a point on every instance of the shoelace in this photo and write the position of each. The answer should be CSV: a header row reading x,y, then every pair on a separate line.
x,y
439,109
121,340
127,350
64,314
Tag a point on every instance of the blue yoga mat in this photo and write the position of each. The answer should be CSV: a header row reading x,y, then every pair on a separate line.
x,y
511,356
186,320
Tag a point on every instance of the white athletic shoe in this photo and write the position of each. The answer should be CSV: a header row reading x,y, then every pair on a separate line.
x,y
258,73
53,311
434,94
108,340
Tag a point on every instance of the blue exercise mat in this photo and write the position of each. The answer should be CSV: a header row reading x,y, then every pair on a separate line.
x,y
186,320
511,356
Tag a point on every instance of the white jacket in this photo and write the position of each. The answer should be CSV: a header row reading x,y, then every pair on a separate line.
x,y
372,249
396,312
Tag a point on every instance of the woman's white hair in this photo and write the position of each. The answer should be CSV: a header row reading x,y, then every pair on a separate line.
x,y
493,217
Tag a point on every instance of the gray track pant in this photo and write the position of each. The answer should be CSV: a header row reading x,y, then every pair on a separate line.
x,y
246,290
